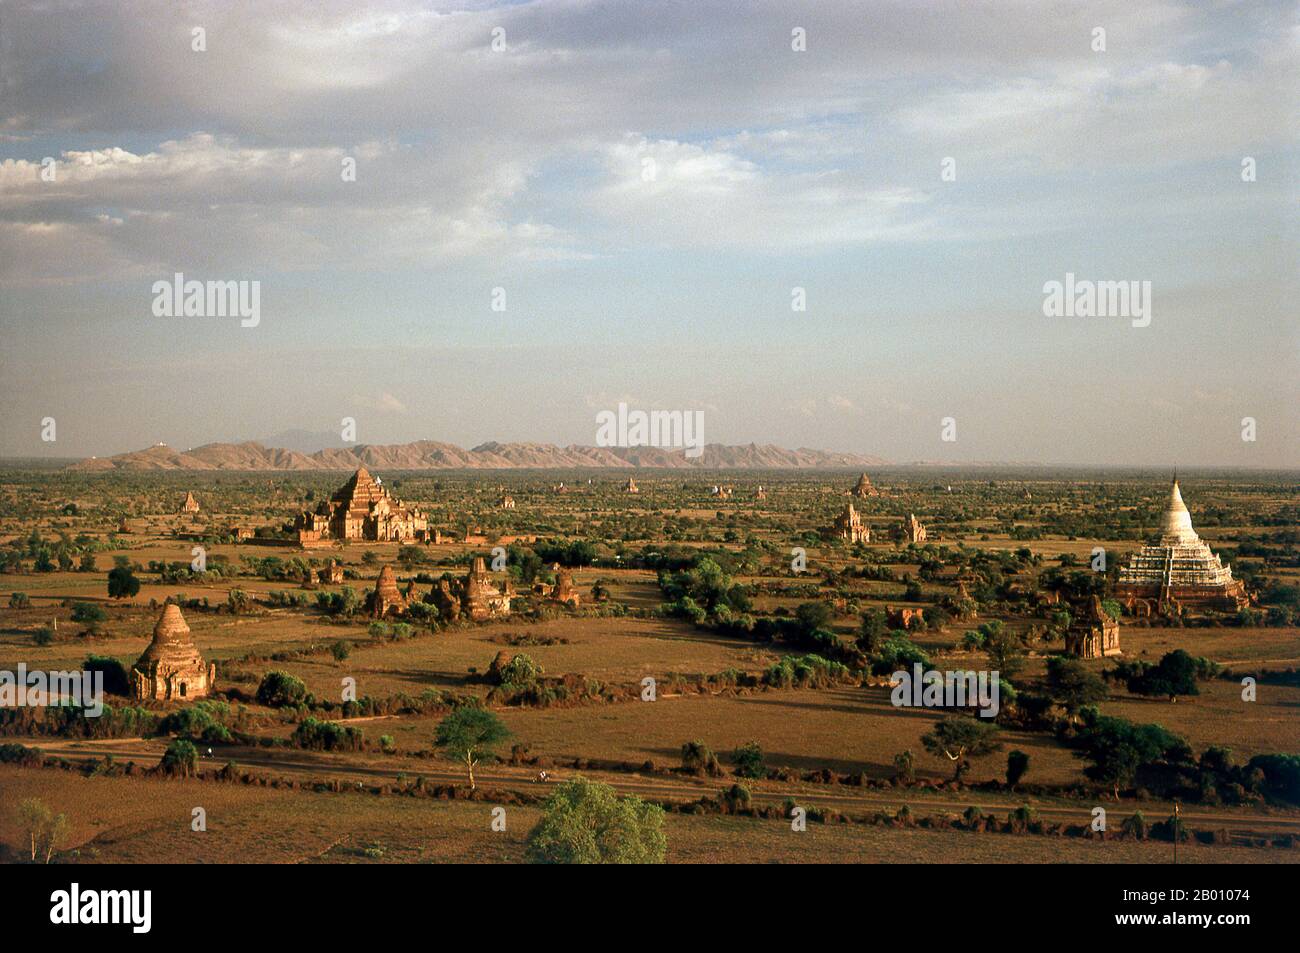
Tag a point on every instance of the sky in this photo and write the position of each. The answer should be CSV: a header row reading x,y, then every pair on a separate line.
x,y
648,188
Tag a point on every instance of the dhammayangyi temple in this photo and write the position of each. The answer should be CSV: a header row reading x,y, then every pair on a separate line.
x,y
362,509
1180,569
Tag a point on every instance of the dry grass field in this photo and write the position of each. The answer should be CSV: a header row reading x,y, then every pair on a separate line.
x,y
985,530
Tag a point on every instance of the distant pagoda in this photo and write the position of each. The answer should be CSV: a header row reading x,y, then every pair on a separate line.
x,y
849,526
864,488
1180,570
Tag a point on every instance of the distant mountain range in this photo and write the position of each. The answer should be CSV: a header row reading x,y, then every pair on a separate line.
x,y
432,455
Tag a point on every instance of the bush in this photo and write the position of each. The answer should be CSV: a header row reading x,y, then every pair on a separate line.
x,y
116,680
584,822
1281,774
340,650
19,600
697,758
202,721
122,583
1017,765
748,759
326,736
520,672
181,759
279,689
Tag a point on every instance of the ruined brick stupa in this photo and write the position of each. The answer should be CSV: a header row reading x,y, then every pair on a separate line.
x,y
171,667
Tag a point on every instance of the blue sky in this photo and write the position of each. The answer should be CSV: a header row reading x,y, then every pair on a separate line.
x,y
525,168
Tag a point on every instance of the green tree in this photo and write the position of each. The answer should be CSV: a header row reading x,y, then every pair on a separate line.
x,y
1072,684
1017,765
812,616
584,822
1118,748
1006,654
88,613
748,759
468,734
1173,675
959,739
180,758
279,689
122,583
44,828
873,631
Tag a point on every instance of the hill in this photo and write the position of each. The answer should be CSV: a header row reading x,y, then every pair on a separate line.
x,y
434,455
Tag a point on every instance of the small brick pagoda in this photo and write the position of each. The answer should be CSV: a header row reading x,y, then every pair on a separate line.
x,y
171,667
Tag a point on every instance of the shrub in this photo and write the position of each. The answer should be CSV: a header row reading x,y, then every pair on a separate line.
x,y
520,672
905,765
1017,765
748,759
279,689
19,600
698,758
116,680
89,614
584,822
340,650
122,583
181,759
326,736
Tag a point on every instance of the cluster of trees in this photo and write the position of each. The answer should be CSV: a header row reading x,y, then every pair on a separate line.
x,y
44,829
1175,674
703,592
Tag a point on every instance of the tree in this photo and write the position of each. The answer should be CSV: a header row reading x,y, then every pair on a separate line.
x,y
122,583
959,739
180,758
1118,748
1072,684
814,615
584,822
1006,654
44,828
1017,765
873,631
279,689
698,758
1173,675
89,613
749,761
116,679
467,734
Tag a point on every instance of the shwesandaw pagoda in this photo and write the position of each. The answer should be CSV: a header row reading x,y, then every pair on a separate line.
x,y
1180,570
